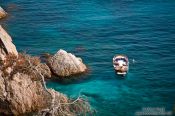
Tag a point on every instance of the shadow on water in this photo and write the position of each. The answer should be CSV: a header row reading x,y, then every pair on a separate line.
x,y
120,77
95,96
74,79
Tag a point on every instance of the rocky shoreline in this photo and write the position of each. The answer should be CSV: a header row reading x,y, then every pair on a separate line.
x,y
2,13
22,82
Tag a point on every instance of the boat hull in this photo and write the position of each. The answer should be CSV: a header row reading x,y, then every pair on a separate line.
x,y
121,64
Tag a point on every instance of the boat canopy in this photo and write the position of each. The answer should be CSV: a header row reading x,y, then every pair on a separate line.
x,y
124,59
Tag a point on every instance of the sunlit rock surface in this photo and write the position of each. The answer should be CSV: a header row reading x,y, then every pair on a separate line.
x,y
2,13
66,64
6,45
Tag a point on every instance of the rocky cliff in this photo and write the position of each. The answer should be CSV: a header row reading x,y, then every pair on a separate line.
x,y
6,45
23,90
22,85
2,13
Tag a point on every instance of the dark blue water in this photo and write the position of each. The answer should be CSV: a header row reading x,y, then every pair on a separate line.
x,y
96,30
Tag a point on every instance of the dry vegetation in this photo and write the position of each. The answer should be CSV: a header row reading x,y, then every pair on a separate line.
x,y
21,64
61,106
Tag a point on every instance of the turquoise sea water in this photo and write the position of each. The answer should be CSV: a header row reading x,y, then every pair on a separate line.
x,y
96,30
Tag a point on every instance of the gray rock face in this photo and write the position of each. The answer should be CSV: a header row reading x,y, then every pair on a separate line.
x,y
21,95
25,95
2,88
66,64
6,45
2,13
24,91
22,88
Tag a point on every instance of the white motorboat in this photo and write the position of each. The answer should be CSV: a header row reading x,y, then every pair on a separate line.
x,y
121,64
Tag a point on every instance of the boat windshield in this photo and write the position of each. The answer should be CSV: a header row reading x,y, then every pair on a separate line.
x,y
117,59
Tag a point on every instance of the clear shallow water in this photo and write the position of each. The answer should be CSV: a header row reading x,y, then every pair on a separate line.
x,y
96,31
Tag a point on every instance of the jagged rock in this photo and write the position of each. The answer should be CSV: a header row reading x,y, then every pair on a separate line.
x,y
66,64
24,91
22,95
22,86
45,71
2,13
6,45
58,98
2,88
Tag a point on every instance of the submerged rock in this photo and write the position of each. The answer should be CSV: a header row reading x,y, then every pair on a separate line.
x,y
2,13
66,64
6,45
